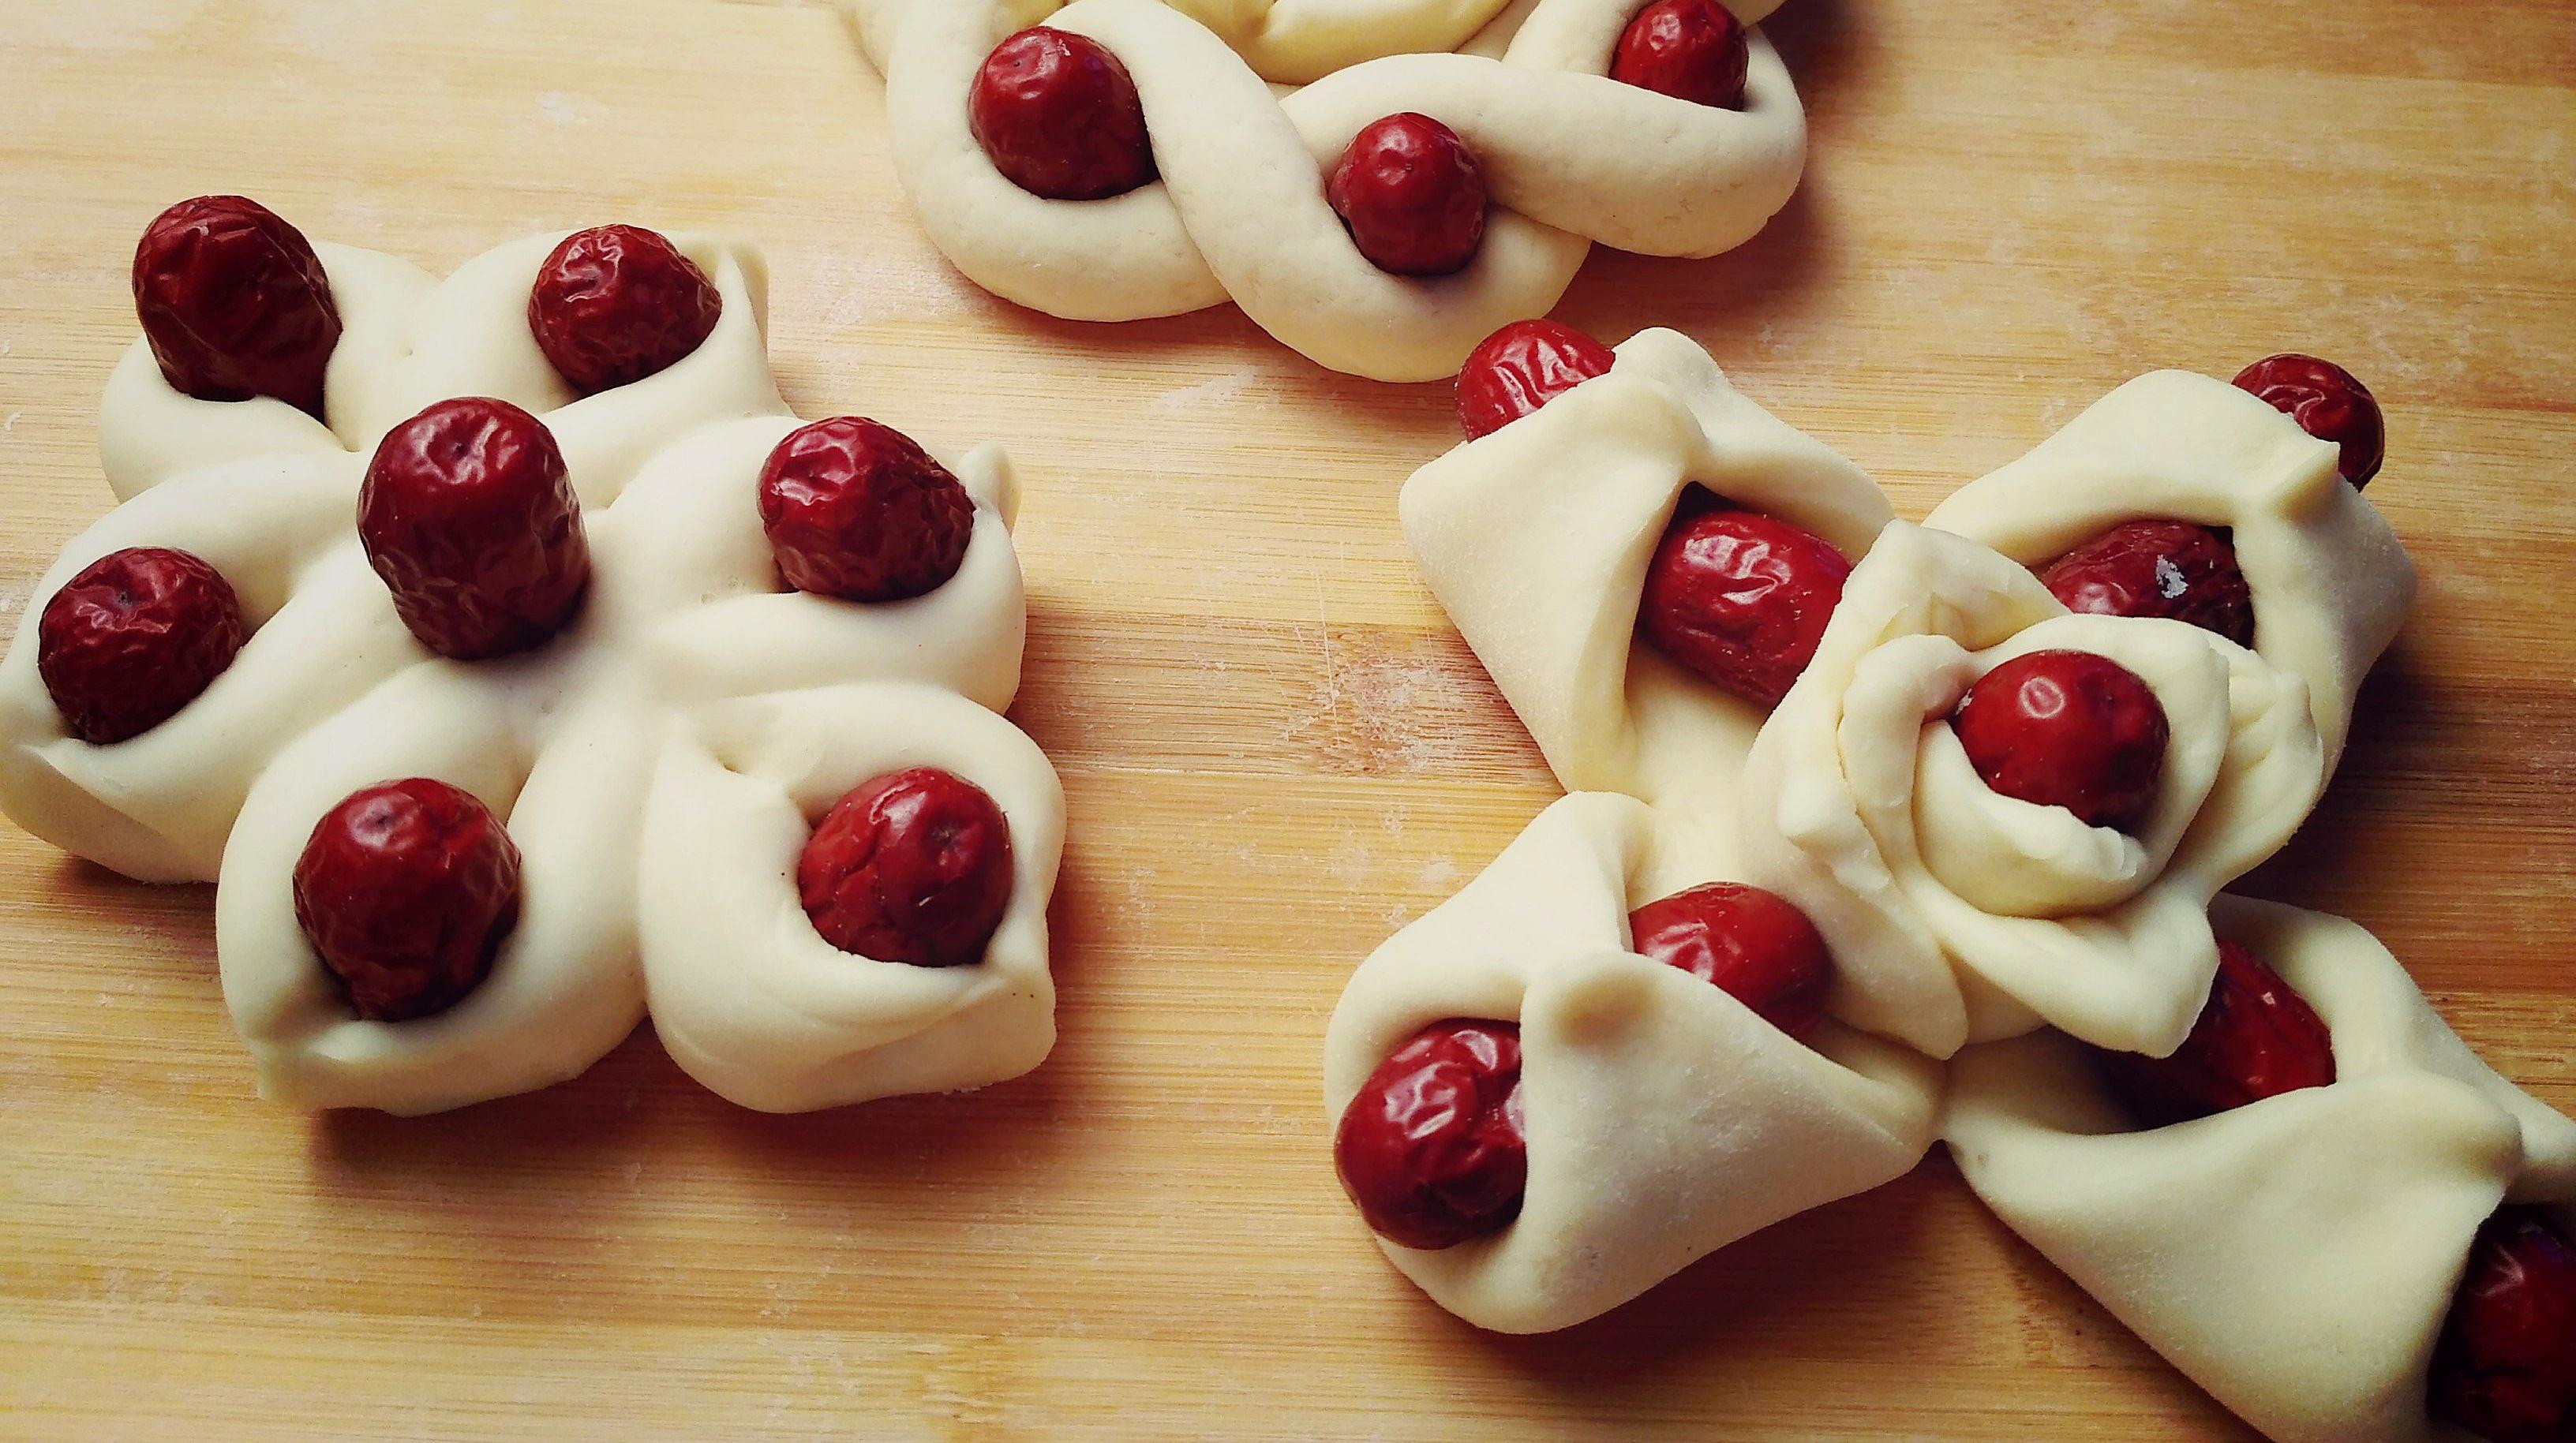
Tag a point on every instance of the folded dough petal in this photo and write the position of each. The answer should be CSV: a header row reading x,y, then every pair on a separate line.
x,y
748,997
1536,540
2331,582
1664,1118
1956,915
2295,1257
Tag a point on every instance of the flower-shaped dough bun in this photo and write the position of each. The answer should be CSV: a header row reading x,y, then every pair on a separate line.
x,y
1957,913
2331,582
1569,156
1664,1118
1536,540
2295,1256
745,993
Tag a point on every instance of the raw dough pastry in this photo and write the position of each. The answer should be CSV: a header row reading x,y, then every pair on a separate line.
x,y
684,632
1664,1118
2331,582
1571,157
1959,914
2296,1256
1536,540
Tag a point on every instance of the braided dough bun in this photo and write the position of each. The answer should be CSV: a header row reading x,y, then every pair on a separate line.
x,y
2295,1256
1536,540
1664,1118
1570,156
2331,582
1959,914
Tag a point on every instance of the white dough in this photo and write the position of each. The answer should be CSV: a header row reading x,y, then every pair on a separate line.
x,y
1664,1118
1958,915
2331,582
1536,539
2295,1256
1570,157
685,615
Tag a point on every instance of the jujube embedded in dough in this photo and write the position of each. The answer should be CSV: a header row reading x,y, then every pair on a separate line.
x,y
133,638
617,303
2068,729
1740,598
2255,1038
912,867
2328,402
1431,1149
406,891
469,516
1692,50
1522,367
2171,569
1412,196
235,304
1751,943
2505,1366
1059,117
857,510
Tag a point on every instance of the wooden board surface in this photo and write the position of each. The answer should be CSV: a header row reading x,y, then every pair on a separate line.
x,y
1276,748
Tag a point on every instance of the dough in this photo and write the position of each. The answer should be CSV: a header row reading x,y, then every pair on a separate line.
x,y
1536,540
2296,1256
1960,914
2331,583
684,640
1571,157
1665,1119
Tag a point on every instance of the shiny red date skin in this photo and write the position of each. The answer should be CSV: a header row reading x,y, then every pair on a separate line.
x,y
1694,50
407,890
2329,403
133,638
2068,729
912,867
1059,117
469,516
1522,367
618,303
1431,1150
1753,944
1412,196
234,303
2505,1365
1740,598
2169,569
856,510
2255,1038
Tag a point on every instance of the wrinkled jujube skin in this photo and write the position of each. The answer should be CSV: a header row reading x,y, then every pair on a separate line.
x,y
2329,403
2255,1039
1059,117
858,511
2170,569
1412,196
234,303
1694,50
469,516
2505,1366
134,637
407,891
1431,1150
1740,598
2068,729
617,303
1754,944
1522,367
913,867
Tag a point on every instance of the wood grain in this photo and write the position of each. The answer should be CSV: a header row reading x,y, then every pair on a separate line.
x,y
1276,749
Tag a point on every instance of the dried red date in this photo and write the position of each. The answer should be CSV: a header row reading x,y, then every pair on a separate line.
x,y
1410,192
468,515
2068,729
407,890
133,637
1059,117
1431,1149
1740,598
617,303
2255,1038
2329,403
912,867
2169,569
858,511
234,303
1753,944
1693,50
1522,367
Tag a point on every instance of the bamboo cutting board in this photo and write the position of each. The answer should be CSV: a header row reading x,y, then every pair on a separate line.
x,y
1276,748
